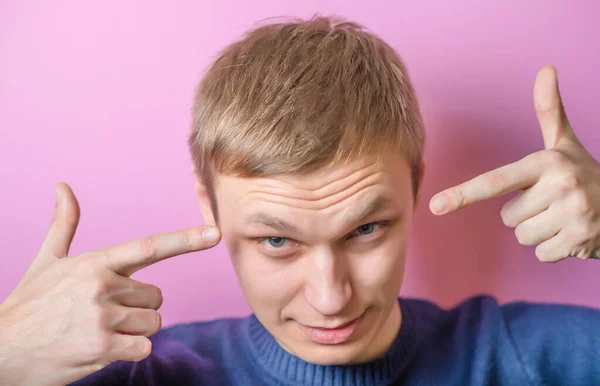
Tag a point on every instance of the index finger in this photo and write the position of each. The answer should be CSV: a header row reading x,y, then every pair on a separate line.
x,y
506,179
131,257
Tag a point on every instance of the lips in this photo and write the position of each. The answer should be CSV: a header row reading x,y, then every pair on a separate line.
x,y
335,335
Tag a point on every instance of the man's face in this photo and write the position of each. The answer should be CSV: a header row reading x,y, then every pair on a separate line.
x,y
319,251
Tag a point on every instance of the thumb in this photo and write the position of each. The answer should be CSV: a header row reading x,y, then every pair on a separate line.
x,y
64,224
549,108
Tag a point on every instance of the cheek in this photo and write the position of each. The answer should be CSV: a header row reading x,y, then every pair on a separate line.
x,y
265,282
380,272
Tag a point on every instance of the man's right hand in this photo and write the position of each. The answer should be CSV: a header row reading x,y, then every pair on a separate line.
x,y
71,316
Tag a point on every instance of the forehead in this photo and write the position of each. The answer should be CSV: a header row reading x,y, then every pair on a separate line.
x,y
330,194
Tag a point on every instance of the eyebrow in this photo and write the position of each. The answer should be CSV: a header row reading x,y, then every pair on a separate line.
x,y
371,208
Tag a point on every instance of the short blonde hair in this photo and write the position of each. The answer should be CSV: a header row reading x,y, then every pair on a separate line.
x,y
295,96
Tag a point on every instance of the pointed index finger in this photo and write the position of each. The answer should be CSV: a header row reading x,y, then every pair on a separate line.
x,y
128,258
508,178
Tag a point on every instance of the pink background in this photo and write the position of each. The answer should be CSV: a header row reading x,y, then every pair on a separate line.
x,y
99,94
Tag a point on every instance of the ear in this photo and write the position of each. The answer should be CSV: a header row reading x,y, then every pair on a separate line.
x,y
203,199
421,178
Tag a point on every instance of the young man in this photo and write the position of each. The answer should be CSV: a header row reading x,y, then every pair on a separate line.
x,y
307,144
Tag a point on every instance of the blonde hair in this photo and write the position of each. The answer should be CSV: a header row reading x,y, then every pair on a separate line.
x,y
295,96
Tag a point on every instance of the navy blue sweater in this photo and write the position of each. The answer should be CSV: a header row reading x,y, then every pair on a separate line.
x,y
476,343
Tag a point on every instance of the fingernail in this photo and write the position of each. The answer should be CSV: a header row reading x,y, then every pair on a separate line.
x,y
58,195
210,234
439,204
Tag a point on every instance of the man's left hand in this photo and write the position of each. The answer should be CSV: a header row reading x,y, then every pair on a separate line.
x,y
558,209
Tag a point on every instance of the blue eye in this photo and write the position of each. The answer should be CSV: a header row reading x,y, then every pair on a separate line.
x,y
366,229
363,230
275,242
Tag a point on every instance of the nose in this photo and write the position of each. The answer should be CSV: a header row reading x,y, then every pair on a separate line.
x,y
328,288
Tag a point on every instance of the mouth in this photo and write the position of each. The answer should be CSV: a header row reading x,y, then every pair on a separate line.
x,y
336,335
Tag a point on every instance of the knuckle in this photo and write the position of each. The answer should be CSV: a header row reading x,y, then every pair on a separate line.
x,y
104,346
555,158
505,214
189,241
147,247
157,323
520,234
459,197
70,219
569,181
581,203
97,349
543,256
62,221
97,287
99,365
497,181
158,297
55,225
538,157
583,252
87,262
586,233
100,317
565,184
143,347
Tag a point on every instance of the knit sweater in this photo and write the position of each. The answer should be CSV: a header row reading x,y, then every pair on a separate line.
x,y
477,342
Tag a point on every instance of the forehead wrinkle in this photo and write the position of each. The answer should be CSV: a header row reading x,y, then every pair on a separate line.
x,y
321,203
375,205
335,183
